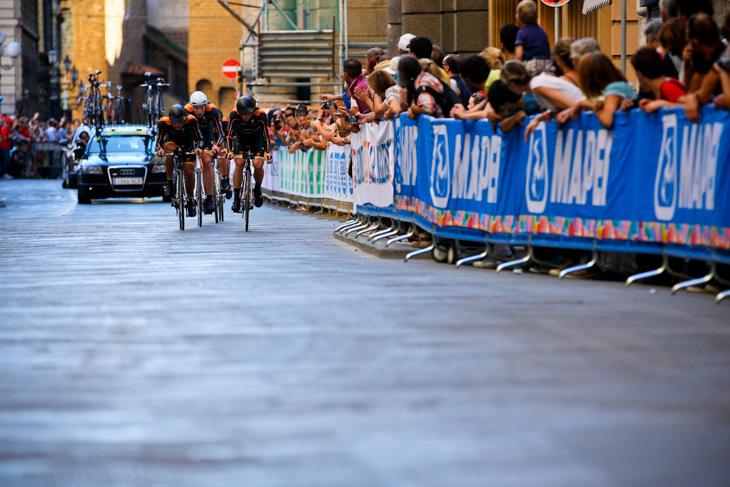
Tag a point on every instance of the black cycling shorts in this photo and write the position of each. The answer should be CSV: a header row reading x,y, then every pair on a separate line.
x,y
240,147
209,137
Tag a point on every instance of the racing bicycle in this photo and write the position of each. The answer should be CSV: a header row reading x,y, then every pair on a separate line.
x,y
246,189
180,197
218,197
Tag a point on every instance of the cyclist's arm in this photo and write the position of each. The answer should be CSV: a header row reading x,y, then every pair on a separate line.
x,y
261,118
199,141
217,117
161,133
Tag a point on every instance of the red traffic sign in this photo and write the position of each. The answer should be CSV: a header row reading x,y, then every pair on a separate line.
x,y
555,3
231,67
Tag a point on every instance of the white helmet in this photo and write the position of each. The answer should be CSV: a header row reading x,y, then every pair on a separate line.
x,y
198,98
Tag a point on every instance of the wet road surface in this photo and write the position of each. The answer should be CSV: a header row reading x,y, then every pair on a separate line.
x,y
133,354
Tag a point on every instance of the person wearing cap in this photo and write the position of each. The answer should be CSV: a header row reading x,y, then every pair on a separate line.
x,y
180,129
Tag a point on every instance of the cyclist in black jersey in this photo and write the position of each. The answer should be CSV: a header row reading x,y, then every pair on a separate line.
x,y
209,121
248,130
182,130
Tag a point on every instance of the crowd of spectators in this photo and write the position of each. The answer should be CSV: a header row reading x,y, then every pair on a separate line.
x,y
685,62
19,139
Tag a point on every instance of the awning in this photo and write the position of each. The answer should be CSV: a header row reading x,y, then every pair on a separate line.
x,y
139,69
593,5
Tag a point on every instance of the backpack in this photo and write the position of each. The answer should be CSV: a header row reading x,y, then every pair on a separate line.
x,y
445,100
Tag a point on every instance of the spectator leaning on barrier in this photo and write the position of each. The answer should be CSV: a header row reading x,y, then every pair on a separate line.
x,y
474,71
386,97
412,77
673,41
421,47
495,59
532,45
666,92
476,100
583,46
605,88
507,107
451,66
507,39
707,46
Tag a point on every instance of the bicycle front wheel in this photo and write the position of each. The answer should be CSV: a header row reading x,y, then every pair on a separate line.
x,y
199,197
181,199
246,193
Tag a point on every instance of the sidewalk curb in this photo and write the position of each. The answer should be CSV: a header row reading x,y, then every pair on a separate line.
x,y
378,249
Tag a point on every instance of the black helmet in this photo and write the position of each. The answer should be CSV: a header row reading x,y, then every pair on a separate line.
x,y
177,113
246,105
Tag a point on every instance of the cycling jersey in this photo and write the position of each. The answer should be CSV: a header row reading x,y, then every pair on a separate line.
x,y
188,137
252,135
210,125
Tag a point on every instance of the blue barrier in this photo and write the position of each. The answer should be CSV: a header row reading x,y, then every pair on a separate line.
x,y
654,181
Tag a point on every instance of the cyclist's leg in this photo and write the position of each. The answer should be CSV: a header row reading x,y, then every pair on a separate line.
x,y
258,175
206,161
189,168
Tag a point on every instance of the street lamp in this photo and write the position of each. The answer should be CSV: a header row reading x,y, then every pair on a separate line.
x,y
74,76
52,56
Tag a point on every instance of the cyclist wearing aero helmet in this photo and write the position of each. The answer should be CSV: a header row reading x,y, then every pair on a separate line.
x,y
248,130
209,121
180,128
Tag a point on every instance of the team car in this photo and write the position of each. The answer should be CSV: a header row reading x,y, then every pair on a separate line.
x,y
121,163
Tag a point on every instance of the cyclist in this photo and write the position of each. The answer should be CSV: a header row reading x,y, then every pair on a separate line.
x,y
182,129
248,130
209,121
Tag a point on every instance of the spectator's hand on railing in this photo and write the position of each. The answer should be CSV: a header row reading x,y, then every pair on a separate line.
x,y
626,104
458,111
532,126
494,117
692,108
650,106
365,117
720,102
565,115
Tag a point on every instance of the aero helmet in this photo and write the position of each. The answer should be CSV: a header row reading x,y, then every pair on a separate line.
x,y
177,113
198,98
246,105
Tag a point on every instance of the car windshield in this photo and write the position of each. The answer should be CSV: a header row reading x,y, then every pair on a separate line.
x,y
120,143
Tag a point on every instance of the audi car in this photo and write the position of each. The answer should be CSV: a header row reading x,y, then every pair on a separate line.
x,y
121,163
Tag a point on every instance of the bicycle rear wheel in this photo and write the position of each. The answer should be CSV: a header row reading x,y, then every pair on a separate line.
x,y
181,198
216,193
246,200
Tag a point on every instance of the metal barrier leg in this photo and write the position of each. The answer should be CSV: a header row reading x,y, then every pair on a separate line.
x,y
385,235
474,258
369,229
427,249
506,265
582,267
421,251
722,295
405,236
692,282
695,282
390,229
345,225
357,228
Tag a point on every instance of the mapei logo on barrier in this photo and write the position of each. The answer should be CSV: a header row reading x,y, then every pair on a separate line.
x,y
536,189
686,173
405,155
471,173
580,167
440,167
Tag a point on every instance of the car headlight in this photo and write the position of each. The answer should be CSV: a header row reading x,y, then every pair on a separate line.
x,y
93,170
158,168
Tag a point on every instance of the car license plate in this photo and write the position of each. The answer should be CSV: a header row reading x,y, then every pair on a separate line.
x,y
128,181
